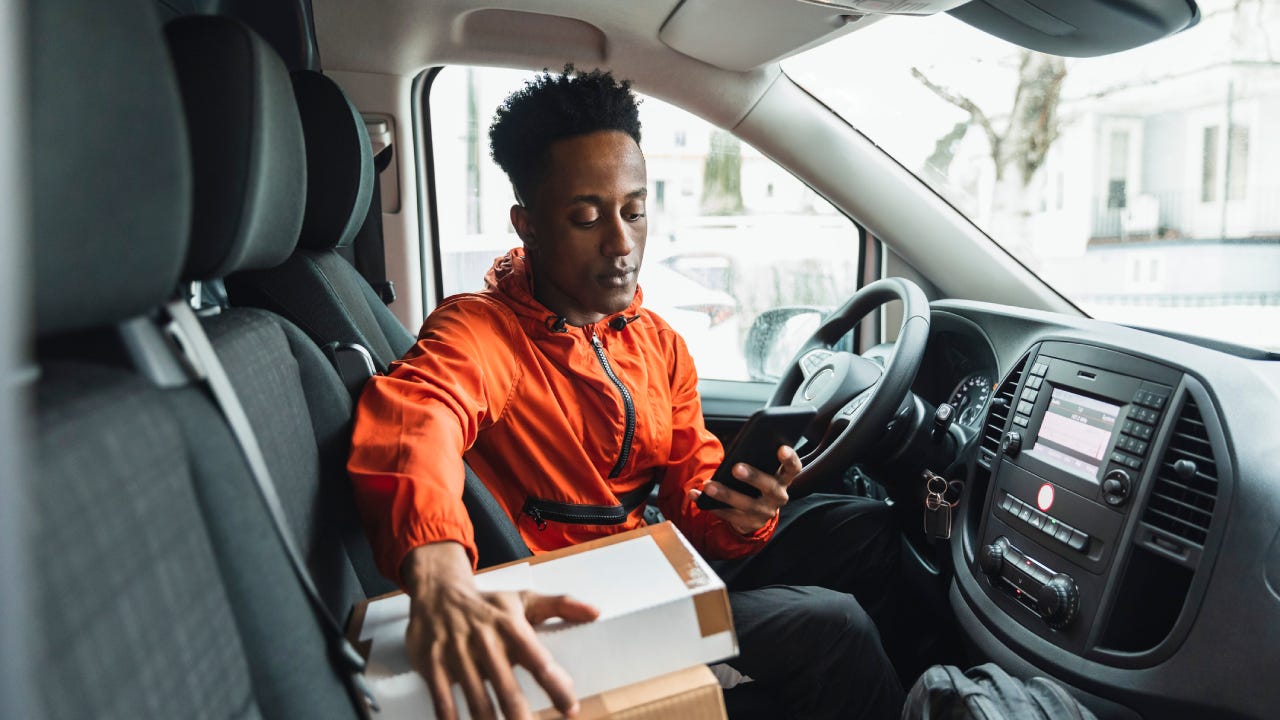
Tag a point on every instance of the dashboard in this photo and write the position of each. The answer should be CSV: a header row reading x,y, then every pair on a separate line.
x,y
1120,529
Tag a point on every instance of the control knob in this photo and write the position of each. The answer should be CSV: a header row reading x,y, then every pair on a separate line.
x,y
1058,600
1115,487
992,557
1011,443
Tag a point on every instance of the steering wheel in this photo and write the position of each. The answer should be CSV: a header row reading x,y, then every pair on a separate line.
x,y
855,398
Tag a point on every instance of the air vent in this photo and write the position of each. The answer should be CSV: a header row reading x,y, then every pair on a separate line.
x,y
998,415
1186,487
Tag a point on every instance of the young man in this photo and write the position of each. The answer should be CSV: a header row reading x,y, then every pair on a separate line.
x,y
569,399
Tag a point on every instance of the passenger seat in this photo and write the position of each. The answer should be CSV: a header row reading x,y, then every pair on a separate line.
x,y
250,189
317,288
322,293
148,601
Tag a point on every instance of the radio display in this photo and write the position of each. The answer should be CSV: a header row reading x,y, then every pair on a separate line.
x,y
1075,432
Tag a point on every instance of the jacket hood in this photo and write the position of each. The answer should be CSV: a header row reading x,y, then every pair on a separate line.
x,y
511,278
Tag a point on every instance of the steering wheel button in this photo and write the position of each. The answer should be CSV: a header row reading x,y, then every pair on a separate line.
x,y
1044,498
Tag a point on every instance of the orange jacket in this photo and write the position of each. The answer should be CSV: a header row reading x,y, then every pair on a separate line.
x,y
537,416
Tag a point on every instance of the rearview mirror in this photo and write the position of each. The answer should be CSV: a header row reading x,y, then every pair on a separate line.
x,y
774,338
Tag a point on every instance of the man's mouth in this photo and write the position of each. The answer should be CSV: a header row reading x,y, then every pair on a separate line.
x,y
617,278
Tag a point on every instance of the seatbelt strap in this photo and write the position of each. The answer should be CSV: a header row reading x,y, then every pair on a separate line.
x,y
185,329
367,248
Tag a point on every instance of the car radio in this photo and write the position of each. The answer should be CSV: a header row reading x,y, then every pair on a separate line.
x,y
1075,447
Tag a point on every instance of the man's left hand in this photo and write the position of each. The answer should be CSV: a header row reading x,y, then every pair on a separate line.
x,y
745,513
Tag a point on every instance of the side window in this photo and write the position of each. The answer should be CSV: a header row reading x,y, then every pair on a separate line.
x,y
735,241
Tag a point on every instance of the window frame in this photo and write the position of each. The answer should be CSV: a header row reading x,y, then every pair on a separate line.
x,y
868,263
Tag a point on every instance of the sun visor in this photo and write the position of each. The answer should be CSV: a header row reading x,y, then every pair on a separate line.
x,y
712,30
1079,28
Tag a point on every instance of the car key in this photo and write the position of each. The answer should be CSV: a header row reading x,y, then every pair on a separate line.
x,y
937,509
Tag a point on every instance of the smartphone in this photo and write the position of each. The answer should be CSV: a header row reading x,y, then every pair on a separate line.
x,y
756,444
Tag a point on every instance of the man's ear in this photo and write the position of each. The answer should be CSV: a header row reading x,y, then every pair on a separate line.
x,y
522,221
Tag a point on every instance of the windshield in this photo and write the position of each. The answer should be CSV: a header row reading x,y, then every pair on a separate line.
x,y
1139,185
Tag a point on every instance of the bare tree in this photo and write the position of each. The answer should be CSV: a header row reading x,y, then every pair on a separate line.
x,y
1017,143
1030,128
722,176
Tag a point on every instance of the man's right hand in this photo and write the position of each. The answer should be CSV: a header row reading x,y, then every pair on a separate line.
x,y
458,634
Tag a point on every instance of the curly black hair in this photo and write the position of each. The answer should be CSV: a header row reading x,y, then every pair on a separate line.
x,y
555,107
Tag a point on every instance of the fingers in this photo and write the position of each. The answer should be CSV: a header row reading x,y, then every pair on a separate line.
x,y
427,658
494,662
789,465
541,608
524,648
473,689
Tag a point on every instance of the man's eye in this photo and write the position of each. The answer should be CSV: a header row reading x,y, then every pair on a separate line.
x,y
583,222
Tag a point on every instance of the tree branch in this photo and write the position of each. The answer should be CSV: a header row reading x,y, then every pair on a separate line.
x,y
967,105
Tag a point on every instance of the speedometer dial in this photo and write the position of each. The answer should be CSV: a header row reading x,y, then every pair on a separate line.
x,y
970,399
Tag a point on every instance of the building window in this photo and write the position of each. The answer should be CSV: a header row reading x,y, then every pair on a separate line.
x,y
660,194
680,138
1237,162
1118,171
1209,165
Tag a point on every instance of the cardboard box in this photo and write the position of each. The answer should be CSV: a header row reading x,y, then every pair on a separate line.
x,y
664,614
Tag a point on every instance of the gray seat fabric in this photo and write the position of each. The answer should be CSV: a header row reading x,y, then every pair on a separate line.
x,y
324,295
317,288
130,615
249,169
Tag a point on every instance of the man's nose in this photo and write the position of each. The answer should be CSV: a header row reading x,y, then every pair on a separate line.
x,y
619,239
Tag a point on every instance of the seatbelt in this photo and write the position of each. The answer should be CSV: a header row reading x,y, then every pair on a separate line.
x,y
185,329
367,248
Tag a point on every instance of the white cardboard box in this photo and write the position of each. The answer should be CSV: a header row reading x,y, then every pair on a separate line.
x,y
662,610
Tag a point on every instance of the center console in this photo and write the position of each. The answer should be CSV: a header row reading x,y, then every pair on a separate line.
x,y
1097,509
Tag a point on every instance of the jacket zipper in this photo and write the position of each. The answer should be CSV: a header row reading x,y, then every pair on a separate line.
x,y
627,403
581,514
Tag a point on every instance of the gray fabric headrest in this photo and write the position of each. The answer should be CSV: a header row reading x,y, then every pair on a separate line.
x,y
111,175
339,163
247,152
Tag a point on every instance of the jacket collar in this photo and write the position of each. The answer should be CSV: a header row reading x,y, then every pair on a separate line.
x,y
511,278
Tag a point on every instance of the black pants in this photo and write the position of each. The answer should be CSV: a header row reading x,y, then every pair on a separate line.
x,y
803,609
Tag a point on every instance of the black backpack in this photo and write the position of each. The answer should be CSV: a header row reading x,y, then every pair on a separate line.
x,y
945,692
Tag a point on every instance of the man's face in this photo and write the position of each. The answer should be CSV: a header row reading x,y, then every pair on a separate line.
x,y
585,227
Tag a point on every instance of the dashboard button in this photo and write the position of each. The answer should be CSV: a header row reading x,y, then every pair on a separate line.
x,y
1079,541
1008,502
1037,520
1120,458
1020,420
1024,513
1039,369
1029,395
1025,407
1139,447
1063,533
1034,382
